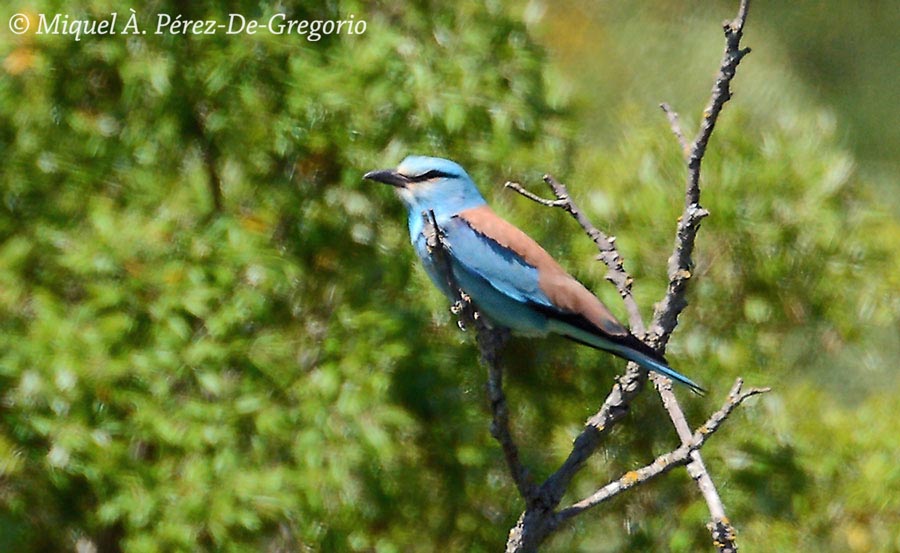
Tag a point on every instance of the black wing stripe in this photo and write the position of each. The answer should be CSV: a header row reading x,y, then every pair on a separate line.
x,y
580,322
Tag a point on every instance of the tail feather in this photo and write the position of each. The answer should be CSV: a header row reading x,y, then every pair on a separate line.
x,y
626,346
654,365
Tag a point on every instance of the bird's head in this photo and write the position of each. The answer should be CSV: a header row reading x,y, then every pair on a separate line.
x,y
430,183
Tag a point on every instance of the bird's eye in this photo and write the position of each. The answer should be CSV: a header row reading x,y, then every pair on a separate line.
x,y
433,174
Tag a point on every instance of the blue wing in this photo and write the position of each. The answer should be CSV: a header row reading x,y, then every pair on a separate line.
x,y
502,268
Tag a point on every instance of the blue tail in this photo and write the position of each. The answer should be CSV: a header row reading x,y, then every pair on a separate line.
x,y
654,365
626,346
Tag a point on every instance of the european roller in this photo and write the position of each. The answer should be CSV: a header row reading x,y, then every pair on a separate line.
x,y
510,278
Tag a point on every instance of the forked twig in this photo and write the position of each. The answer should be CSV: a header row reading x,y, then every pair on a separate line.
x,y
664,319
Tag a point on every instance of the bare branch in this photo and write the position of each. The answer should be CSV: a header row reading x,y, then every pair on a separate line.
x,y
539,521
534,197
680,269
667,462
616,273
490,343
613,409
696,468
680,264
616,404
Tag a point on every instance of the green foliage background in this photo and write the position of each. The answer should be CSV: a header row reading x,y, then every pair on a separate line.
x,y
276,374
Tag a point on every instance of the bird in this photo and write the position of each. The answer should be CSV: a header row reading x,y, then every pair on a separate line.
x,y
511,279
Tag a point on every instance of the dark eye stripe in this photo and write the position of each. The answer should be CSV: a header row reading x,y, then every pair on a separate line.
x,y
433,174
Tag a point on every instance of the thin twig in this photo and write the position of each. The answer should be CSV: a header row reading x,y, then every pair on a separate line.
x,y
696,468
613,409
667,311
490,343
667,462
605,245
676,129
534,197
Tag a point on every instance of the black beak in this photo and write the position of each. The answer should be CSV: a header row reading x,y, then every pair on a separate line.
x,y
387,176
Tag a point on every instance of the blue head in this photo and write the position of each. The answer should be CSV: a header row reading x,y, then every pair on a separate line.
x,y
431,184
